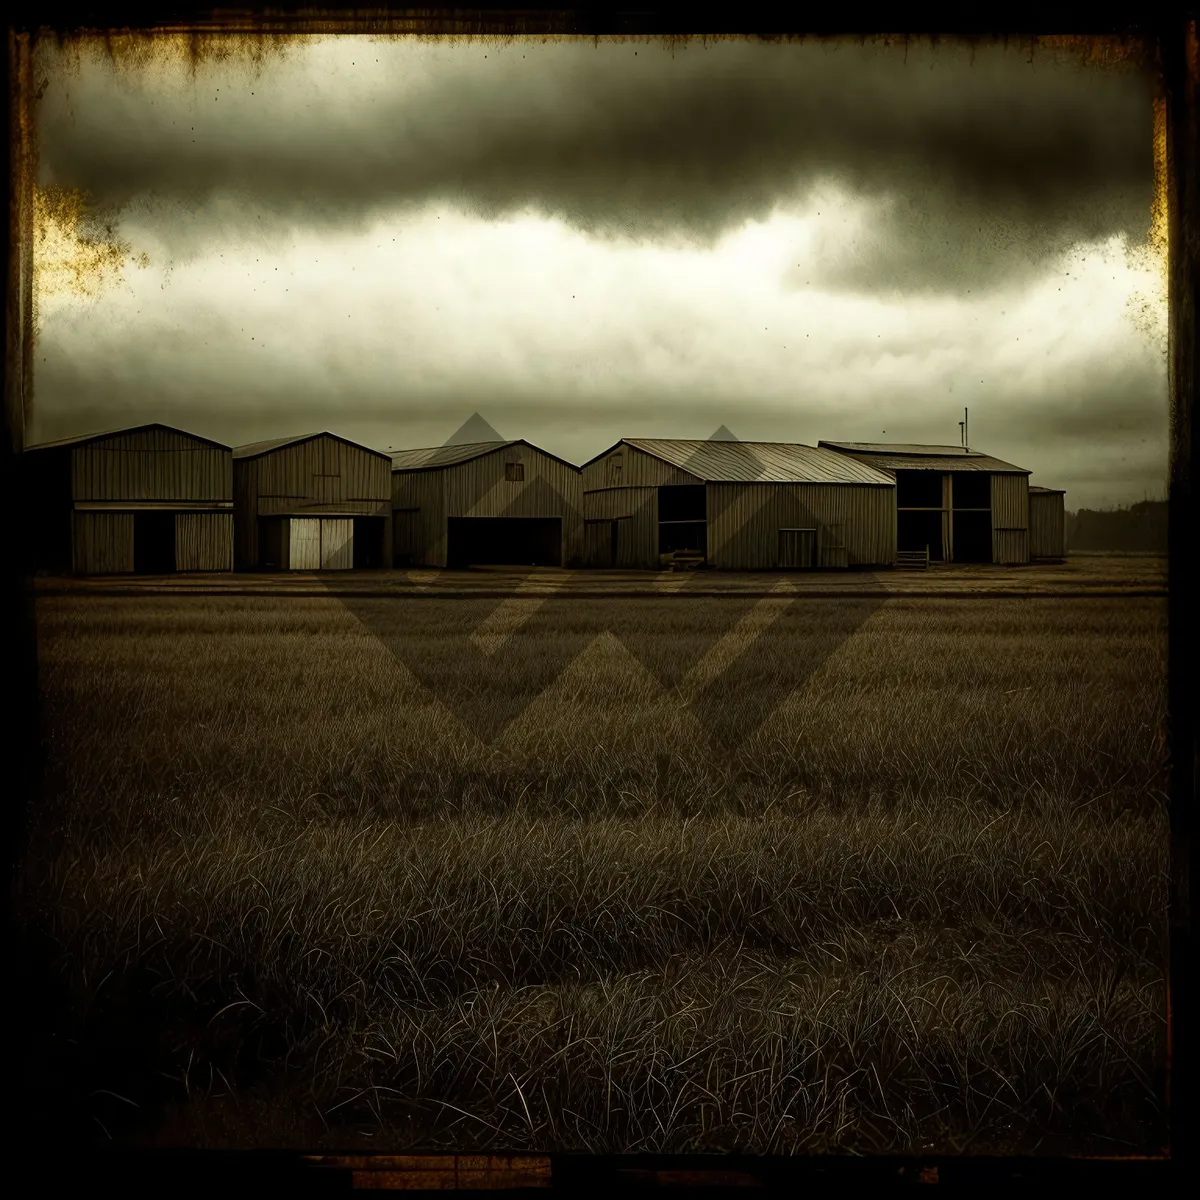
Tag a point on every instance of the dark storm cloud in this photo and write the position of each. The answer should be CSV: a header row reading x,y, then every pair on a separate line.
x,y
988,163
1105,427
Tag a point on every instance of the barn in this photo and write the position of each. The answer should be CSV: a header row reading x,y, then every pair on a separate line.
x,y
317,502
151,499
1047,523
965,506
735,506
486,503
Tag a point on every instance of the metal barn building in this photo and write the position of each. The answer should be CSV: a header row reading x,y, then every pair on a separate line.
x,y
486,503
737,505
1047,523
963,505
317,502
150,499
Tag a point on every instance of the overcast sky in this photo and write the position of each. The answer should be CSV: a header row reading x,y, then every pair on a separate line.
x,y
582,242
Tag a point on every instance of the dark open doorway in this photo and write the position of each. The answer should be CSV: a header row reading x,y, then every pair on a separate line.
x,y
916,530
918,489
682,519
973,537
504,541
368,542
154,542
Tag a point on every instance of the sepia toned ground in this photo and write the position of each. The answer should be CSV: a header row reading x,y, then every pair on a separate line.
x,y
289,886
1091,573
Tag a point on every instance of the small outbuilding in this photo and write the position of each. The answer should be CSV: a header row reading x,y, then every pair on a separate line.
x,y
960,504
1047,523
317,502
150,499
735,505
501,503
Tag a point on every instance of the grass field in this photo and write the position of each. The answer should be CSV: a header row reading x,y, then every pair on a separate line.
x,y
279,893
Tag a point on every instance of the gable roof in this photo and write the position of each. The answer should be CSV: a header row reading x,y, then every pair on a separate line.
x,y
256,449
83,438
720,461
431,458
899,456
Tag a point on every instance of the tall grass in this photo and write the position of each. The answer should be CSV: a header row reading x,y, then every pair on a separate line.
x,y
284,896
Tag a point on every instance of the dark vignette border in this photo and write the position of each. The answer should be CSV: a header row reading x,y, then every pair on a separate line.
x,y
1165,35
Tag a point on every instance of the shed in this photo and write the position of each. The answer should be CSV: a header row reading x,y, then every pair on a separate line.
x,y
735,505
317,502
1047,523
965,506
150,499
501,503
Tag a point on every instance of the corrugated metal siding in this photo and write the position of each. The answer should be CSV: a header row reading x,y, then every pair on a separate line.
x,y
204,541
1047,525
1010,519
597,544
479,488
245,516
1010,502
337,545
304,543
1010,547
635,509
151,464
103,543
419,536
856,524
323,475
638,469
611,503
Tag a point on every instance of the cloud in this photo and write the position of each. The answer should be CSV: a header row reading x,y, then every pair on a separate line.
x,y
978,163
398,336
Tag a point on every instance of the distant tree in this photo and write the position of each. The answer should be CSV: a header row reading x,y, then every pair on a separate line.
x,y
1136,527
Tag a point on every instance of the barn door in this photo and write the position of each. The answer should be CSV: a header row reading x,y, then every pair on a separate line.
x,y
337,544
304,544
406,529
797,548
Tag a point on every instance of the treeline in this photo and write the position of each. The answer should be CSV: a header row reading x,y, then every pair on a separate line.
x,y
1138,527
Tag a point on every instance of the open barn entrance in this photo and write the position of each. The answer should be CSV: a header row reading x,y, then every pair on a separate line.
x,y
916,529
973,537
369,534
154,543
683,519
504,542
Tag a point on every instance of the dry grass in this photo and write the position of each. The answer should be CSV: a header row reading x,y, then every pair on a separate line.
x,y
284,896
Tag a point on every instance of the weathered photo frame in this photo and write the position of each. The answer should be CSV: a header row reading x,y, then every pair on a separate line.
x,y
1169,44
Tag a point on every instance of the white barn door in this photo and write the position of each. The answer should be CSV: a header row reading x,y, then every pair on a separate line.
x,y
337,545
304,544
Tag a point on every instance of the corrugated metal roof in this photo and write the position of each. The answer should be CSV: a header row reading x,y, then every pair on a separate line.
x,y
922,458
898,448
254,449
759,462
433,457
1048,491
81,439
443,456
